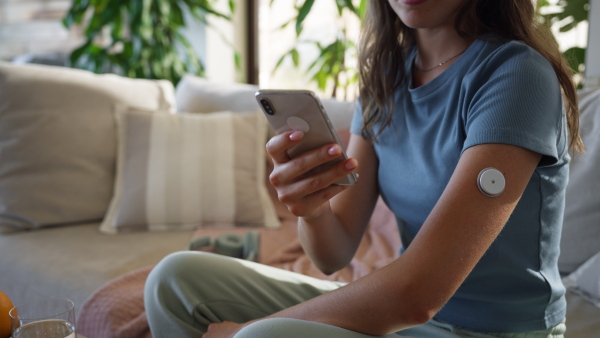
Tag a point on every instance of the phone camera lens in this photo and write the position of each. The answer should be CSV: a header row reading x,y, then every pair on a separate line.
x,y
268,108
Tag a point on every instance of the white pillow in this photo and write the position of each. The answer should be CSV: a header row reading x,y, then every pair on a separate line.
x,y
581,228
339,112
198,95
181,171
585,281
58,141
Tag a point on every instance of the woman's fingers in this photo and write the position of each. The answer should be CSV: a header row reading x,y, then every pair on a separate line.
x,y
278,145
309,205
307,181
307,193
296,168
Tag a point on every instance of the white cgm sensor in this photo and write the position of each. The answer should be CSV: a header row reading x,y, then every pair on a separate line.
x,y
491,182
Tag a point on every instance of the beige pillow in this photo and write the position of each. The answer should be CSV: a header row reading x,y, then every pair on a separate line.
x,y
181,171
58,141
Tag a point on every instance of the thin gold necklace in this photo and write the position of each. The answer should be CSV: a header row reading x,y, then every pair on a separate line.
x,y
439,64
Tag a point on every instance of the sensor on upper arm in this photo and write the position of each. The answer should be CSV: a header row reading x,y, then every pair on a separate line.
x,y
491,182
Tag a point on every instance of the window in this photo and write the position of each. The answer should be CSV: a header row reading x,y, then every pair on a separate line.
x,y
33,29
322,25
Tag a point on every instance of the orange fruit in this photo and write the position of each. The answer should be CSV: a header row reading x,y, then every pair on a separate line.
x,y
5,306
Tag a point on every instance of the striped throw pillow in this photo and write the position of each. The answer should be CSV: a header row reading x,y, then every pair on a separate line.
x,y
182,171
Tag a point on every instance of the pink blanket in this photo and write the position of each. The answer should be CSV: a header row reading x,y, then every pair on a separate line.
x,y
116,310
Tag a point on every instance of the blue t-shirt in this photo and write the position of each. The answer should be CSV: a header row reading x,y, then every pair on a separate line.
x,y
496,92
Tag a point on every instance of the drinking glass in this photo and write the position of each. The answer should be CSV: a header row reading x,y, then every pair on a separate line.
x,y
48,318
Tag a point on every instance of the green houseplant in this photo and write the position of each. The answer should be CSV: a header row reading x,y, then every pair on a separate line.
x,y
138,38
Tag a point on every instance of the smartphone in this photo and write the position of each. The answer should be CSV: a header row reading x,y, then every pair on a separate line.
x,y
302,110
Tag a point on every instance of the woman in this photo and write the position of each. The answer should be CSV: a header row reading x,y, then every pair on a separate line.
x,y
449,88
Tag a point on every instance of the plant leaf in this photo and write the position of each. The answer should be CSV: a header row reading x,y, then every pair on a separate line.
x,y
282,58
78,52
117,26
302,13
295,57
237,59
362,8
575,57
177,15
75,13
285,24
146,21
346,4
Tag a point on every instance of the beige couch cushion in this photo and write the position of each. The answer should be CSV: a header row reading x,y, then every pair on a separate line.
x,y
181,171
58,141
73,261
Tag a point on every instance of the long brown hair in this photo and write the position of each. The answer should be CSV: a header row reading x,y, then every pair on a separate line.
x,y
384,40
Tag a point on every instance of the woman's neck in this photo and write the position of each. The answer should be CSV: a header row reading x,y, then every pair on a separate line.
x,y
436,51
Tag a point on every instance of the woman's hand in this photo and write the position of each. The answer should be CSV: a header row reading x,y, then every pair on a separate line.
x,y
223,330
306,196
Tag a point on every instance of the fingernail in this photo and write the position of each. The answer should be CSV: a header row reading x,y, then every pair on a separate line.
x,y
334,151
296,136
351,164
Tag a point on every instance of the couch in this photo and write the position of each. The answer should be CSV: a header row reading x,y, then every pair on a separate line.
x,y
102,176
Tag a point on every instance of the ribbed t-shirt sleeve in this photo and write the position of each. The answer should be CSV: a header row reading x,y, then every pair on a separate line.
x,y
517,101
357,119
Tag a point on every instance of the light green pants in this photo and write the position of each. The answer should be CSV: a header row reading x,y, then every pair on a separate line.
x,y
187,291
